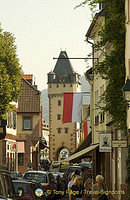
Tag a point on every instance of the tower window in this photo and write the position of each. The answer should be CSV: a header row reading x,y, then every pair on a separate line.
x,y
59,130
66,130
64,85
59,102
58,117
49,86
57,85
70,85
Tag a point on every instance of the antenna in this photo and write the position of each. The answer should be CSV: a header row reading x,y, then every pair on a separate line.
x,y
34,80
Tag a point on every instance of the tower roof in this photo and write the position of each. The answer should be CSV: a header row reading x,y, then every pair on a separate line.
x,y
63,66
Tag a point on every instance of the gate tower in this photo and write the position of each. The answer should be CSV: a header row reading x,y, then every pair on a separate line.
x,y
61,80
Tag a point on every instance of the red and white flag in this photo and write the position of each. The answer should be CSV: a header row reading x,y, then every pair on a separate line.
x,y
72,107
85,126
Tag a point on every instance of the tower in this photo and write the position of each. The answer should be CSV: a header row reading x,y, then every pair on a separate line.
x,y
62,137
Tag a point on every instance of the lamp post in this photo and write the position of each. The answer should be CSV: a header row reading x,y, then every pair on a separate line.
x,y
126,91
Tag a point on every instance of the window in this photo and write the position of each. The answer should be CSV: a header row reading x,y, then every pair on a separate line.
x,y
57,85
14,120
102,116
58,117
66,130
64,85
27,123
96,119
59,130
59,102
20,159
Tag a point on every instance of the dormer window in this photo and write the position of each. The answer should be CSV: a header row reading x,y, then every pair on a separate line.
x,y
101,6
53,76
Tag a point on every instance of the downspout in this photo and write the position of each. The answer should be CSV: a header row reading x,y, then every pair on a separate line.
x,y
91,93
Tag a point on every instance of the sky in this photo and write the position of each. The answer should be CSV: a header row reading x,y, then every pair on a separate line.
x,y
42,29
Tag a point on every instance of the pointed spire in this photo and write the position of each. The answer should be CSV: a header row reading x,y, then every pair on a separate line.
x,y
63,66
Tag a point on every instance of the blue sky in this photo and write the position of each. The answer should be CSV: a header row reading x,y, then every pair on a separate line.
x,y
42,29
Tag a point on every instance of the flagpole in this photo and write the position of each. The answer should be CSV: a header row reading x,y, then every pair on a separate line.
x,y
76,58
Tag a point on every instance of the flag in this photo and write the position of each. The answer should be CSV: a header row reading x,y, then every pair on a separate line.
x,y
85,126
72,107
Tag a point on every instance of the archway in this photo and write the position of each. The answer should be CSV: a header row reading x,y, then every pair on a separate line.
x,y
62,153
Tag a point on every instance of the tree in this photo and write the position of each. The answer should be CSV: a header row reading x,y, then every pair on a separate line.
x,y
112,68
10,72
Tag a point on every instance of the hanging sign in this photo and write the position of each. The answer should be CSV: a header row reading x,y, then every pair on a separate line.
x,y
105,142
119,143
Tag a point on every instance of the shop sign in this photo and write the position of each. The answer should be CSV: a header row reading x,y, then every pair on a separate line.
x,y
13,147
119,143
105,142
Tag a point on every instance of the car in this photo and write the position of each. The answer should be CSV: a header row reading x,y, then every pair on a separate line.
x,y
55,164
26,190
72,169
85,164
45,178
4,198
15,175
6,185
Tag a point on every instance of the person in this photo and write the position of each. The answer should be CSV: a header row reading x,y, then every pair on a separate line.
x,y
71,182
30,164
98,188
77,189
84,173
88,187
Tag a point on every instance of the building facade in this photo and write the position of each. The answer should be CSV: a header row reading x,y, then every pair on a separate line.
x,y
110,163
44,144
29,125
8,142
63,79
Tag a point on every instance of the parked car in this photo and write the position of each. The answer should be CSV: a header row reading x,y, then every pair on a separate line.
x,y
6,185
16,175
55,164
72,169
85,164
4,198
45,178
25,190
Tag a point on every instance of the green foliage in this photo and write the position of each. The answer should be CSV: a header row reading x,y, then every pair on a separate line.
x,y
112,68
10,72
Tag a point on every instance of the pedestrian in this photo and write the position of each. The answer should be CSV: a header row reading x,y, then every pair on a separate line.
x,y
84,173
88,187
77,189
30,165
99,188
71,182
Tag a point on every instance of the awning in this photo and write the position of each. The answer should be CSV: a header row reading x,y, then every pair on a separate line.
x,y
86,143
82,153
20,147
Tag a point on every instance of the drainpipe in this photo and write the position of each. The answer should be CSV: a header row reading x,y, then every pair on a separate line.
x,y
92,99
